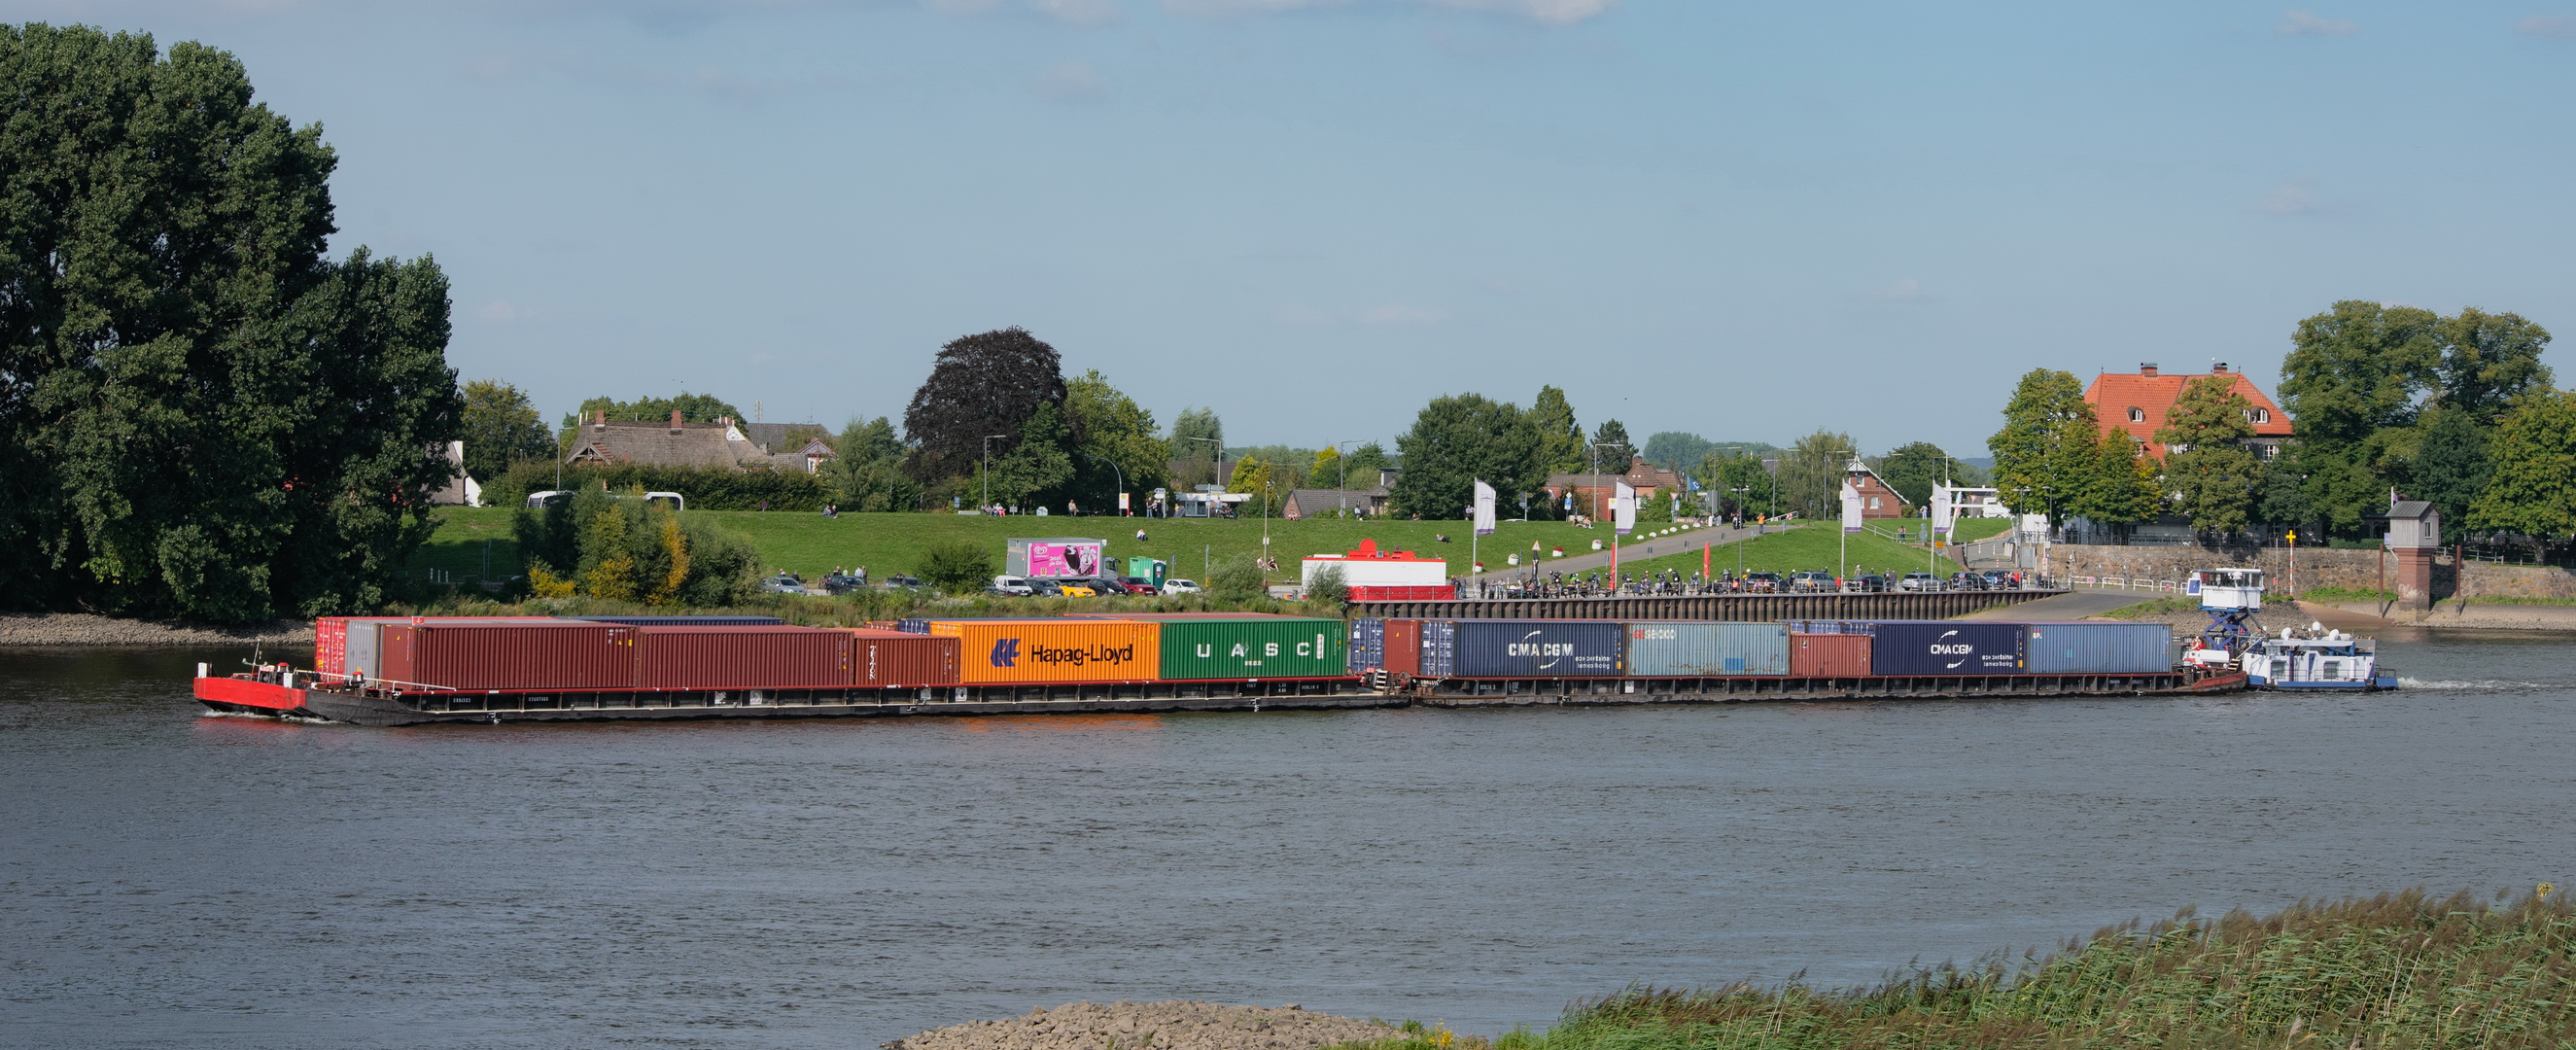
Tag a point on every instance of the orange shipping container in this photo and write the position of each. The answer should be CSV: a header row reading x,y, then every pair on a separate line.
x,y
900,658
1829,656
1006,651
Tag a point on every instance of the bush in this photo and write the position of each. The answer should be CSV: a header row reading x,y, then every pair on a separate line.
x,y
1328,586
705,488
957,566
1237,580
623,550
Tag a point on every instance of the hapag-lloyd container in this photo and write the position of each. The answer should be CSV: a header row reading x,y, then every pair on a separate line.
x,y
1829,655
1945,647
675,656
1254,647
1680,648
2099,648
1005,651
1528,648
1403,653
549,654
1368,644
901,658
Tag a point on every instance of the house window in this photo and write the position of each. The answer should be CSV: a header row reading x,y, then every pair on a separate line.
x,y
1873,503
2137,415
2262,415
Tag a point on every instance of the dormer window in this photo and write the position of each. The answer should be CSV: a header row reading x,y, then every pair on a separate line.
x,y
2262,415
2137,415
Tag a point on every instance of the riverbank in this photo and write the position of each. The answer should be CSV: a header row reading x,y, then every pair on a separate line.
x,y
1169,1025
84,629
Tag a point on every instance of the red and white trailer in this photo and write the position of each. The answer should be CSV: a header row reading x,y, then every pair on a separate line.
x,y
1378,576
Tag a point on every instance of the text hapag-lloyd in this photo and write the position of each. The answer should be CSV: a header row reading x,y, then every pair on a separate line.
x,y
1006,653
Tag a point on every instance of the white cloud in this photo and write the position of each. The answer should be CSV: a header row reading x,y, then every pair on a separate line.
x,y
1550,12
1070,82
2309,23
2560,26
2294,198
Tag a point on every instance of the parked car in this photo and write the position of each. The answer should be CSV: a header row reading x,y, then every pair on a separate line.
x,y
1870,584
1139,585
1811,580
784,583
1075,589
1180,587
900,582
1762,582
1046,589
1008,587
842,583
1998,580
1919,581
1099,585
1967,581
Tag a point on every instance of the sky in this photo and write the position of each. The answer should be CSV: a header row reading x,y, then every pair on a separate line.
x,y
1746,221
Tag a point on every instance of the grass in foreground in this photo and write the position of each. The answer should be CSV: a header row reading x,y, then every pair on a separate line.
x,y
2393,972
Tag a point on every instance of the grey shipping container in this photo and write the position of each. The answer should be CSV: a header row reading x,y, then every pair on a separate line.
x,y
2099,648
1676,648
1439,652
1368,644
1537,649
1945,647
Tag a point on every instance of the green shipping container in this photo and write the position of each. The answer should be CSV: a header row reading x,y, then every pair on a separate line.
x,y
1256,647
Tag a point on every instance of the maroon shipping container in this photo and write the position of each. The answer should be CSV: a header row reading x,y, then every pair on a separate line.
x,y
899,658
535,654
1828,656
1403,646
781,657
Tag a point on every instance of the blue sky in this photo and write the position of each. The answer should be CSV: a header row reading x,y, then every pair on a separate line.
x,y
1747,221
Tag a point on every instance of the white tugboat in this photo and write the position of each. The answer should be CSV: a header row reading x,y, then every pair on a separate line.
x,y
2310,658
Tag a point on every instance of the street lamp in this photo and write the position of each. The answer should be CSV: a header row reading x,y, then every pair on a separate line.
x,y
1113,467
1220,461
988,472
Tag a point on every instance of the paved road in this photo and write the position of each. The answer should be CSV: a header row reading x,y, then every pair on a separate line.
x,y
2071,606
1629,551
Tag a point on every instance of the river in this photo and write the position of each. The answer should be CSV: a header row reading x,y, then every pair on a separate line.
x,y
175,880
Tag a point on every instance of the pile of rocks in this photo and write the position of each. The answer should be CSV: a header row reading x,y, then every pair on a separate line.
x,y
84,629
1174,1025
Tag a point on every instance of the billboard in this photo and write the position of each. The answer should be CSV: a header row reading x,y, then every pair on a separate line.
x,y
1057,558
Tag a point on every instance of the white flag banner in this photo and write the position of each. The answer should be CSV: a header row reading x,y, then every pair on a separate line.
x,y
1941,510
1623,508
1484,509
1851,508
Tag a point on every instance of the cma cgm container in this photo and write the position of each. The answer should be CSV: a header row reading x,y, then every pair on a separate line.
x,y
1403,653
723,657
1680,648
1253,647
2099,648
1524,649
1007,651
1945,647
545,654
1829,655
1368,644
898,658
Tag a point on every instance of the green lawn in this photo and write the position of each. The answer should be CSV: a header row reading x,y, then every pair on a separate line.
x,y
811,544
1970,530
1805,547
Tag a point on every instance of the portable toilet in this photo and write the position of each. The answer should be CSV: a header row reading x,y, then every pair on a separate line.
x,y
1148,569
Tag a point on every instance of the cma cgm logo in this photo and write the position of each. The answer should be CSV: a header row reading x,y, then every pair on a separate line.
x,y
1552,651
1943,646
1006,652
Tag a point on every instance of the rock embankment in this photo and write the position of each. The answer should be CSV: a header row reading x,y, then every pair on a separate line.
x,y
85,629
1174,1025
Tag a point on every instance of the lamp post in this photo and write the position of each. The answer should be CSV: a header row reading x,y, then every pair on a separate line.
x,y
1113,468
988,472
1220,463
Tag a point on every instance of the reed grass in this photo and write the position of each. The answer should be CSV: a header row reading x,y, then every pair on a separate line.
x,y
2403,971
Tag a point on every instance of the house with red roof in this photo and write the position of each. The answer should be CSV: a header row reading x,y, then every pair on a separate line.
x,y
2135,404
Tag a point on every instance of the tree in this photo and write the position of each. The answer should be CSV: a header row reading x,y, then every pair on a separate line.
x,y
619,548
1253,475
1811,475
1238,579
2533,490
1675,450
2125,485
866,469
1035,472
2209,470
1115,441
1611,453
1197,439
1742,484
2049,447
980,385
1327,467
2451,465
200,414
1458,441
957,566
2489,361
2350,382
1560,437
1912,469
500,428
1362,465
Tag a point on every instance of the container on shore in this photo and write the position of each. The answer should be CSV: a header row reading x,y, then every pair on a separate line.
x,y
1368,644
1254,647
1686,648
1403,653
1946,647
1053,650
901,658
696,656
1525,649
490,655
1829,655
2099,648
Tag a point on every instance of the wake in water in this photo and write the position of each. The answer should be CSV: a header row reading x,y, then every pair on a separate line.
x,y
2487,685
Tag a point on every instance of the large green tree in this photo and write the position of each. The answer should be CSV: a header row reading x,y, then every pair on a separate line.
x,y
1811,474
1740,481
2126,484
2533,491
2350,383
2048,450
2211,473
1611,451
866,469
1677,450
1038,470
200,414
2451,465
1198,437
1913,468
500,428
1560,437
1115,441
1458,441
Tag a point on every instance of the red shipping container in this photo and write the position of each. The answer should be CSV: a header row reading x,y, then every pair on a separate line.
x,y
536,654
781,657
901,658
331,635
1403,647
1828,656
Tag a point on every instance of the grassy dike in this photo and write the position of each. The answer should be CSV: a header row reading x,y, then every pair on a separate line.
x,y
2395,972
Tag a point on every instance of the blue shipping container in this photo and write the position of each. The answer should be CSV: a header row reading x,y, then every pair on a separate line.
x,y
1535,649
1678,648
1945,647
1439,648
2099,648
1368,644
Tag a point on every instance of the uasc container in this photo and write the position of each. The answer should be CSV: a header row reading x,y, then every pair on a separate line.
x,y
2099,648
1682,648
724,657
1368,644
1945,647
1829,655
1007,651
901,658
1536,649
1254,647
544,654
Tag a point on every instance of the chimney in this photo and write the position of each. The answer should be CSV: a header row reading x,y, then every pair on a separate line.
x,y
599,420
2216,367
675,421
2148,369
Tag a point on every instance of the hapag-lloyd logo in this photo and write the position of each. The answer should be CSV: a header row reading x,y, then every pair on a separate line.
x,y
1006,653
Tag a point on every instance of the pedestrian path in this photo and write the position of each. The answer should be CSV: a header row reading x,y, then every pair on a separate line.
x,y
1630,550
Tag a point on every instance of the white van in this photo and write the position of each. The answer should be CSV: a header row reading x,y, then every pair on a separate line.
x,y
1011,587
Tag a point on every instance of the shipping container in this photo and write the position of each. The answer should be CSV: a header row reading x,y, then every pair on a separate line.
x,y
553,654
1681,648
901,658
346,645
913,625
1945,647
1254,647
2099,648
1527,648
1829,655
1055,650
1368,644
687,621
1439,648
1828,626
1403,653
690,656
